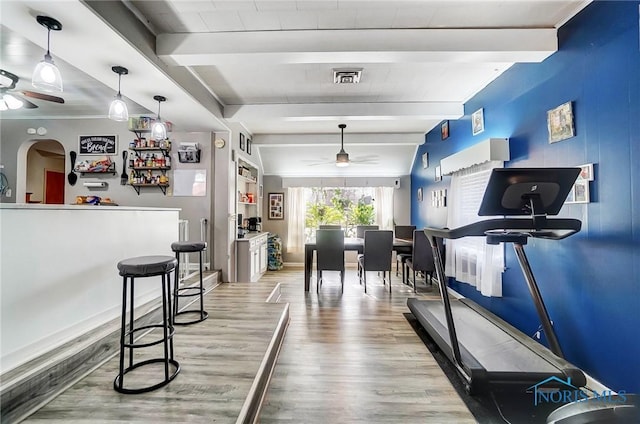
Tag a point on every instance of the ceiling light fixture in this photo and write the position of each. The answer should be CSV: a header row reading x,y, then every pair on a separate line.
x,y
46,76
10,102
342,157
118,110
158,128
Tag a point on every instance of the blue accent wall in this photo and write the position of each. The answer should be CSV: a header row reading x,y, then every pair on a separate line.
x,y
591,281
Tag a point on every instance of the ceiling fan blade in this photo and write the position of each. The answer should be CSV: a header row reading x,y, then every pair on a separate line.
x,y
42,96
28,104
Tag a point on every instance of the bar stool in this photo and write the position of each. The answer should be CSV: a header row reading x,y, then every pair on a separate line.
x,y
178,292
139,267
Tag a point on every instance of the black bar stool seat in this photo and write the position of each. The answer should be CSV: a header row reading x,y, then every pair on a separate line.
x,y
179,292
140,267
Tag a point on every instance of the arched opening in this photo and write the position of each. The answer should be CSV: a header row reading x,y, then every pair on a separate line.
x,y
40,176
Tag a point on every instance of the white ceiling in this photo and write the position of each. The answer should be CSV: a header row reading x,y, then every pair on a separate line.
x,y
266,66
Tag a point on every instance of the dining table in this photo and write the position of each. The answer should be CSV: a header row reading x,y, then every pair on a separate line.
x,y
350,244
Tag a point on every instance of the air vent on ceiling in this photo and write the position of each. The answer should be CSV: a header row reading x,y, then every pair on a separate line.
x,y
346,76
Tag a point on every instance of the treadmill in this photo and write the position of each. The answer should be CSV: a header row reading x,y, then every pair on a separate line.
x,y
485,350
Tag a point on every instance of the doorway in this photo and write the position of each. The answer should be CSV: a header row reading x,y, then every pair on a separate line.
x,y
40,164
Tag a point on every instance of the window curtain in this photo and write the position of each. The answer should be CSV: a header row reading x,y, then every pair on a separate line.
x,y
384,207
470,260
296,212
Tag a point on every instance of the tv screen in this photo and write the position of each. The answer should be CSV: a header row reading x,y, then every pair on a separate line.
x,y
509,190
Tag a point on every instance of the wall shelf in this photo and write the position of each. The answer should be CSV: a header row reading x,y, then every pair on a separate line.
x,y
163,187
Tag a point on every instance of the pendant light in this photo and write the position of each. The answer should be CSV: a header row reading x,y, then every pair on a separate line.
x,y
118,109
46,76
158,128
342,157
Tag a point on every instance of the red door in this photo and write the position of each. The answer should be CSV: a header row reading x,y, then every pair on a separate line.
x,y
54,187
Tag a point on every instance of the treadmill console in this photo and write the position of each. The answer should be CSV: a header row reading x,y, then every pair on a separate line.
x,y
527,191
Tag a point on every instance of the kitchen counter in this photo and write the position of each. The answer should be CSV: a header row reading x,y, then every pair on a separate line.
x,y
59,277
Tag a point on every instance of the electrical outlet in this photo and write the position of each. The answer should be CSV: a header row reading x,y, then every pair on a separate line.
x,y
8,192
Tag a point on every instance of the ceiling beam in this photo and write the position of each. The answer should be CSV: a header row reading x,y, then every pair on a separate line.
x,y
346,111
359,46
301,140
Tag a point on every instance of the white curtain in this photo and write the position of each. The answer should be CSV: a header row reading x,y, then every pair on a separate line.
x,y
470,259
296,211
384,207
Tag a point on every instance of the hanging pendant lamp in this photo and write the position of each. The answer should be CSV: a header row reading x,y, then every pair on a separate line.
x,y
118,110
158,128
46,76
342,157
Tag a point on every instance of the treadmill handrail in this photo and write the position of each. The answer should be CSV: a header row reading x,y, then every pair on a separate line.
x,y
554,228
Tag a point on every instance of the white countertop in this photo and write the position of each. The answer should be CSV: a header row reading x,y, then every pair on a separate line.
x,y
252,235
41,206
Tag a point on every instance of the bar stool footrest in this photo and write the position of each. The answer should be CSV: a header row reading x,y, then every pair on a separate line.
x,y
197,291
204,316
116,382
152,343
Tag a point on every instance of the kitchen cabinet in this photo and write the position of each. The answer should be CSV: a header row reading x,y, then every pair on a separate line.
x,y
252,256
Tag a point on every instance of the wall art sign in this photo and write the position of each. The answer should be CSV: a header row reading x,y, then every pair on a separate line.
x,y
98,144
560,123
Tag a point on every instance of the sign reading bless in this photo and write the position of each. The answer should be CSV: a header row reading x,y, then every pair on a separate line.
x,y
98,144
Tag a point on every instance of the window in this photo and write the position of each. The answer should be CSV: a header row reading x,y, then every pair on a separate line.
x,y
470,260
344,206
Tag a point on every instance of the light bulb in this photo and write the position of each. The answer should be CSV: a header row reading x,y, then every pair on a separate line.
x,y
118,110
46,76
158,130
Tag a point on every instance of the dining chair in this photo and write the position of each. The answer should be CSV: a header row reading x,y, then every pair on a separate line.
x,y
330,227
404,232
360,229
329,254
378,248
421,259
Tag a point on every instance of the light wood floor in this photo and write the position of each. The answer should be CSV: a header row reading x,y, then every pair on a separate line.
x,y
346,358
354,358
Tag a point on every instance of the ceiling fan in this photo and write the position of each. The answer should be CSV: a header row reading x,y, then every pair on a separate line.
x,y
342,157
15,99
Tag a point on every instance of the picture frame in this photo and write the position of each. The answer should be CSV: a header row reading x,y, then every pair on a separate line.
x,y
276,206
101,145
444,130
477,121
249,142
560,123
586,172
579,192
242,142
419,194
438,174
425,160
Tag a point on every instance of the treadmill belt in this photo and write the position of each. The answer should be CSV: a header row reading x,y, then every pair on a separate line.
x,y
488,350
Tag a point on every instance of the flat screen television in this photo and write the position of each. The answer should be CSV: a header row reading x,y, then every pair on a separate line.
x,y
518,191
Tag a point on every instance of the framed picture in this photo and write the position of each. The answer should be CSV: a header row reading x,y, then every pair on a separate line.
x,y
444,130
560,123
98,145
586,172
276,205
249,145
425,160
477,121
242,142
420,194
579,192
438,176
